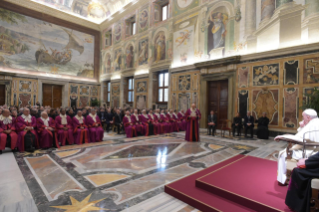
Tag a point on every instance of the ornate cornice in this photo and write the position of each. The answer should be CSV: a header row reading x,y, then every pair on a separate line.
x,y
53,12
219,62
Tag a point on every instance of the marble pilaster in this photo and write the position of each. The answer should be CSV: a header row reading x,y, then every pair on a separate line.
x,y
281,2
310,23
250,24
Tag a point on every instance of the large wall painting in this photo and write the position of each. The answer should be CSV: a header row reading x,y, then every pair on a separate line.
x,y
181,6
216,33
266,75
143,51
107,63
143,19
160,46
129,56
183,46
34,45
118,63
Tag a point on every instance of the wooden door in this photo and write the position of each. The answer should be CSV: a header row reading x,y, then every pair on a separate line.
x,y
218,99
52,95
57,96
2,94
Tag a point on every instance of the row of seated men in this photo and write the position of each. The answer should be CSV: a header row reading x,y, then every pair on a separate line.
x,y
27,133
148,123
237,125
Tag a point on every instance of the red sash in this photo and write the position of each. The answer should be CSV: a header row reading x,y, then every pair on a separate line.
x,y
83,133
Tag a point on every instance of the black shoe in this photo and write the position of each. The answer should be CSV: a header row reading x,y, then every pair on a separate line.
x,y
213,135
0,152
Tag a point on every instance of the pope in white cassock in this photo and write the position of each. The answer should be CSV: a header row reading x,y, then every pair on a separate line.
x,y
310,122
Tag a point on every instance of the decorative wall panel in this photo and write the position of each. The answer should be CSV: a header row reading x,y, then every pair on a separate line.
x,y
290,109
24,92
141,93
291,71
185,90
266,75
82,95
243,76
115,94
311,70
266,101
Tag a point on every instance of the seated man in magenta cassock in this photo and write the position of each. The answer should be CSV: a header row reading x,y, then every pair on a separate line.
x,y
63,124
8,136
96,131
192,116
27,137
129,126
156,125
140,129
147,123
46,132
168,128
173,121
80,131
181,117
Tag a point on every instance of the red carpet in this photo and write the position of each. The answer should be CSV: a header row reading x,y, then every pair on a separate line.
x,y
249,181
186,191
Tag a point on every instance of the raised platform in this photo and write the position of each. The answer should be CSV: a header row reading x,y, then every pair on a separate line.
x,y
241,183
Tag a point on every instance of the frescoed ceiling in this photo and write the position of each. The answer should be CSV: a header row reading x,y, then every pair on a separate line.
x,y
95,11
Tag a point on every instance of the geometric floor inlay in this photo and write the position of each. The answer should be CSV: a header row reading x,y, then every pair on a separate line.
x,y
102,179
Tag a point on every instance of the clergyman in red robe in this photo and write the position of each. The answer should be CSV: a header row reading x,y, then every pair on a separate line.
x,y
157,126
192,117
7,131
178,121
129,126
27,136
140,129
63,124
80,129
96,132
147,123
46,132
167,125
173,121
181,117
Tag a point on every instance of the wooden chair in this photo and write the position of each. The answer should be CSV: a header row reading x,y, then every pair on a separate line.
x,y
226,126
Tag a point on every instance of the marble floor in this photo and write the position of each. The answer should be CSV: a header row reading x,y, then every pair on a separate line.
x,y
118,174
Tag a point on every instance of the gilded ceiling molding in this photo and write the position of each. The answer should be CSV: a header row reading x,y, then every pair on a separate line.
x,y
53,12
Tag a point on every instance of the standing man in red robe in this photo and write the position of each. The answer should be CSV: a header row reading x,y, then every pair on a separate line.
x,y
7,131
192,116
167,125
129,126
140,129
173,121
96,132
80,131
157,126
181,117
27,137
63,124
46,132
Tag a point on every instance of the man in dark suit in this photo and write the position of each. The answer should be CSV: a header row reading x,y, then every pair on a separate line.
x,y
102,116
212,123
118,121
249,124
109,119
237,124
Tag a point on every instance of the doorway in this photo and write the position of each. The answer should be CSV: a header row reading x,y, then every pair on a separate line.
x,y
2,94
52,95
217,99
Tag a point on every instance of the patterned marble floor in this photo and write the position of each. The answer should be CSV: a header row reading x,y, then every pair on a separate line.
x,y
118,174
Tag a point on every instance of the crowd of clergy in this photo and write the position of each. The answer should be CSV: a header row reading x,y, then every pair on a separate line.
x,y
38,127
